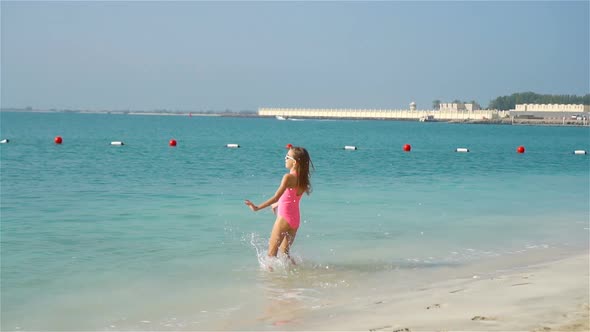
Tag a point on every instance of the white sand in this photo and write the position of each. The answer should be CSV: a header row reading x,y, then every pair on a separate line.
x,y
549,296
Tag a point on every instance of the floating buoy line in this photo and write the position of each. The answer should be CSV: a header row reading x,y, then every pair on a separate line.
x,y
406,147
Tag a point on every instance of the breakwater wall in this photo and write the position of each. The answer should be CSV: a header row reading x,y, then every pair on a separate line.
x,y
391,114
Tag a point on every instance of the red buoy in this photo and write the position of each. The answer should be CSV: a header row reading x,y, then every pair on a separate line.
x,y
57,140
407,148
172,142
520,149
289,146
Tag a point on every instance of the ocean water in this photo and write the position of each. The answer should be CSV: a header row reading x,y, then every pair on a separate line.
x,y
149,237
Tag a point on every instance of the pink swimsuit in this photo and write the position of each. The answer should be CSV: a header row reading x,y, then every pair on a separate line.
x,y
289,207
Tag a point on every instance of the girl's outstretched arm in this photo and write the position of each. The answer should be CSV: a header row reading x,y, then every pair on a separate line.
x,y
275,198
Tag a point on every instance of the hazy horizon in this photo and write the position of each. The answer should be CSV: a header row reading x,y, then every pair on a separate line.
x,y
245,55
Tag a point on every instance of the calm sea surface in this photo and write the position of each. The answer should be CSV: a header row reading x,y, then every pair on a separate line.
x,y
149,237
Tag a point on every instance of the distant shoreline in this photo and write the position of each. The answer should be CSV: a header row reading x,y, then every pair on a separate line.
x,y
252,114
171,113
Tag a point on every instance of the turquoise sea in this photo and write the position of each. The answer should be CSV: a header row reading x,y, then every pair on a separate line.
x,y
150,237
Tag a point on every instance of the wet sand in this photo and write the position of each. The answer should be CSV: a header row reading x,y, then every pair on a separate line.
x,y
550,296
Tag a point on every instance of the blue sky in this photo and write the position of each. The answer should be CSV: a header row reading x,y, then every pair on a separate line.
x,y
245,55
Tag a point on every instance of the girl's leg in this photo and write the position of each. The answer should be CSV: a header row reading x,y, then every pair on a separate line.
x,y
288,241
279,231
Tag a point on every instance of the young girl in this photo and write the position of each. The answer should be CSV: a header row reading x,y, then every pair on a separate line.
x,y
292,187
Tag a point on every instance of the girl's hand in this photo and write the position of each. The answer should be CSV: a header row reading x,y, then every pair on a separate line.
x,y
251,205
274,207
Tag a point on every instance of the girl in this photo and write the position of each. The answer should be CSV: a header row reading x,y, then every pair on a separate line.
x,y
292,187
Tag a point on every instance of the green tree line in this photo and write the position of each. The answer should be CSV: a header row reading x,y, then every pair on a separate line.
x,y
509,102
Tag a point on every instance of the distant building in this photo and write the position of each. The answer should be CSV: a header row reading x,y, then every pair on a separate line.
x,y
570,108
392,114
412,106
456,107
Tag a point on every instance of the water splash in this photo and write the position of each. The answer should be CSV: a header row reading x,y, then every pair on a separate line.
x,y
281,263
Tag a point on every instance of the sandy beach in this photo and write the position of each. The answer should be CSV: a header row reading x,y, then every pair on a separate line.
x,y
550,296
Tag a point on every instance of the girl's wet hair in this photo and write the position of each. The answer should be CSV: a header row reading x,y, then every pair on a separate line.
x,y
305,167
